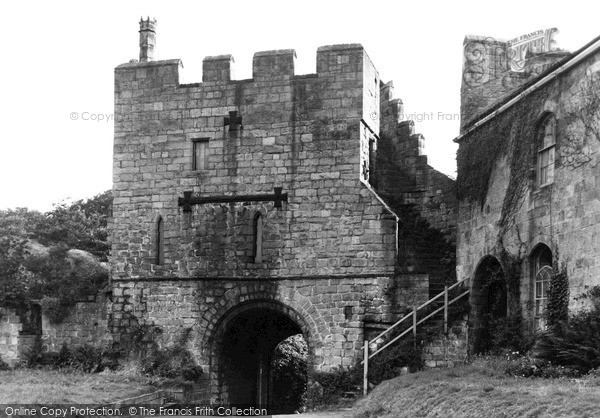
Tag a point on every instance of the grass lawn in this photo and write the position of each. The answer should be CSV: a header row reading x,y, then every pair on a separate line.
x,y
480,391
51,386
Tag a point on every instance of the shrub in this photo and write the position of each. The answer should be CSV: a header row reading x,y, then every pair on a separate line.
x,y
66,279
290,374
575,343
390,362
174,362
3,365
328,388
535,367
86,358
506,334
32,356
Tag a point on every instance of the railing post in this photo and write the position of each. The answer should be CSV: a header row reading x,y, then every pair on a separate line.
x,y
446,309
366,368
415,326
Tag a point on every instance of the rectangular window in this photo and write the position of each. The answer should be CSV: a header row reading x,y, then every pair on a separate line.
x,y
546,166
200,154
546,149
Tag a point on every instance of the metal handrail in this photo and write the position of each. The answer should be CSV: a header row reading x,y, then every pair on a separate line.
x,y
413,327
425,304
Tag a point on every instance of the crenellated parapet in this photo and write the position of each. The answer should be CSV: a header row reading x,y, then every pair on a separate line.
x,y
275,64
218,68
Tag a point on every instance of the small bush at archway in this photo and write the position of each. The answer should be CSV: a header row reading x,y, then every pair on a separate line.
x,y
173,362
290,374
328,388
390,362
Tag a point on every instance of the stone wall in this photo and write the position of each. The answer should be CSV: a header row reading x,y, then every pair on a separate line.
x,y
300,133
516,214
87,323
448,350
331,310
424,199
10,328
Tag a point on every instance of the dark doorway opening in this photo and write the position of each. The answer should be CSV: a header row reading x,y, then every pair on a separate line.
x,y
489,301
252,370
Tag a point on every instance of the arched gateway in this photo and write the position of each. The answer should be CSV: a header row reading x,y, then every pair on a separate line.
x,y
242,350
489,302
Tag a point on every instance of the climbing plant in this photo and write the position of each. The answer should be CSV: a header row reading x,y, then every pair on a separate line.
x,y
557,308
511,134
511,265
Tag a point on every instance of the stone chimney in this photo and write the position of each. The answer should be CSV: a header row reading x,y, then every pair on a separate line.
x,y
147,39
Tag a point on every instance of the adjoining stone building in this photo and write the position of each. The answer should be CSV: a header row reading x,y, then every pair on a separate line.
x,y
252,210
528,176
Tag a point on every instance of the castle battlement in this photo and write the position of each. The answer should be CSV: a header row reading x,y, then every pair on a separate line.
x,y
280,63
149,96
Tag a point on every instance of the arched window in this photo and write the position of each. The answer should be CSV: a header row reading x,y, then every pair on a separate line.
x,y
258,237
160,237
546,140
541,269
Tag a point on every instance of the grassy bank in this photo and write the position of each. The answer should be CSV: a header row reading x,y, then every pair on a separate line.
x,y
480,391
51,386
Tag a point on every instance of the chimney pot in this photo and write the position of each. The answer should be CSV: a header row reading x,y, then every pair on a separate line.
x,y
147,39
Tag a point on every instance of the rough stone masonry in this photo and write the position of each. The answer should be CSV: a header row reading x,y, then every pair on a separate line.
x,y
240,201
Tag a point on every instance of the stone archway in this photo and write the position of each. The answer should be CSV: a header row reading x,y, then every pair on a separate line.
x,y
242,351
489,302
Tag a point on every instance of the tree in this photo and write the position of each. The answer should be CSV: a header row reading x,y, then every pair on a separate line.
x,y
52,271
81,225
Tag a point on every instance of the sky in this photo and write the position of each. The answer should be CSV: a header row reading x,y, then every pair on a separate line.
x,y
59,58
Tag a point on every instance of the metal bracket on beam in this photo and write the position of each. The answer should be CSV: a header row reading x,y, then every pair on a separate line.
x,y
277,197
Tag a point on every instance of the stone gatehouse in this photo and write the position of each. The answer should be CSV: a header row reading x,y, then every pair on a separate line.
x,y
252,210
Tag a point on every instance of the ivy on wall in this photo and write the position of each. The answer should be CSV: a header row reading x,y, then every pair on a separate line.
x,y
511,134
557,308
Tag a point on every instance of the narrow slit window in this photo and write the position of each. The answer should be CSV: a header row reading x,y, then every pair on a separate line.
x,y
258,238
200,154
160,237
